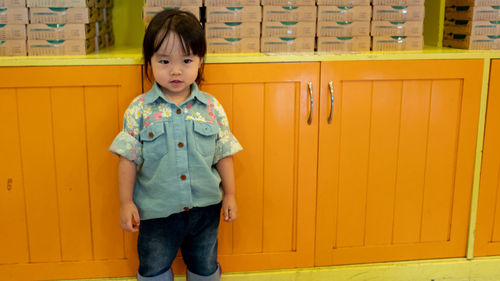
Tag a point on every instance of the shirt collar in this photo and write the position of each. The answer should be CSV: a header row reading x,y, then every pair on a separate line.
x,y
156,93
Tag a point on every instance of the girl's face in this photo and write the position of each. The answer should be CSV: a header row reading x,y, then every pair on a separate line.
x,y
173,70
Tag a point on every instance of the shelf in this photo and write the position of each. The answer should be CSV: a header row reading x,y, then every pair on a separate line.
x,y
133,56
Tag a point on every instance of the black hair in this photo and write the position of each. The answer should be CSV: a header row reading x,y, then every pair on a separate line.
x,y
183,24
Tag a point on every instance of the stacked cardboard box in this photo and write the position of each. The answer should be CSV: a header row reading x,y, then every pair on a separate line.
x,y
397,25
153,7
69,27
288,26
472,24
343,25
13,20
233,26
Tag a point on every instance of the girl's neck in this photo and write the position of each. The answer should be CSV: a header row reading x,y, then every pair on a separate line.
x,y
179,98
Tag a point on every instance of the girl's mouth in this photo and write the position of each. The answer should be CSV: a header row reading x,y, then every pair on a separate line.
x,y
176,83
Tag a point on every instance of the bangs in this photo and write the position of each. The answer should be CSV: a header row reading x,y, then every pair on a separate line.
x,y
192,40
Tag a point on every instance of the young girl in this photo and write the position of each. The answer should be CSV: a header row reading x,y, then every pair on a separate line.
x,y
175,155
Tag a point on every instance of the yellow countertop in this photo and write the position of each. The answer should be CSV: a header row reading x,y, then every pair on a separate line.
x,y
132,56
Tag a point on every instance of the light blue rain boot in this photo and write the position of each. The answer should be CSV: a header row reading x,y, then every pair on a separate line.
x,y
195,277
167,276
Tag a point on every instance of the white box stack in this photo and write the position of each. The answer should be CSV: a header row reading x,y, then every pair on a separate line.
x,y
13,20
233,26
288,26
153,7
397,25
343,26
69,27
472,24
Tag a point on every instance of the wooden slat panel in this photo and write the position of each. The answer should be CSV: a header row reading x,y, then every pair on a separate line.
x,y
14,239
279,164
35,119
411,161
248,112
102,126
441,160
328,172
383,157
72,177
354,145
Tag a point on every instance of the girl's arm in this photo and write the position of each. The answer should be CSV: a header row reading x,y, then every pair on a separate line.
x,y
129,216
229,207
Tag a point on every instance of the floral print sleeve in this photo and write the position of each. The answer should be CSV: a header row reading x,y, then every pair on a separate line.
x,y
226,144
127,142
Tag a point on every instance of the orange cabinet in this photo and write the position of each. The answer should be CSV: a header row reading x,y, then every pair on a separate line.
x,y
268,106
395,163
487,241
58,193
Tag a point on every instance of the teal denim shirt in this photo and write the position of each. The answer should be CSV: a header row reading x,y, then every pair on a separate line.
x,y
175,149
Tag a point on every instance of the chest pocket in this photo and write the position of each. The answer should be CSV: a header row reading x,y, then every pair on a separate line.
x,y
206,136
154,144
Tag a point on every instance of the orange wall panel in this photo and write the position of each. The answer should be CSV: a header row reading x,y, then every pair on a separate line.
x,y
487,241
267,105
395,164
63,196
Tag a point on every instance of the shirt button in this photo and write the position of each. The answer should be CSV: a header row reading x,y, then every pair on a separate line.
x,y
151,134
183,177
181,145
178,111
186,209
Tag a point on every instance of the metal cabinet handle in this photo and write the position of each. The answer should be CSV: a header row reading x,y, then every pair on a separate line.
x,y
9,184
311,102
330,85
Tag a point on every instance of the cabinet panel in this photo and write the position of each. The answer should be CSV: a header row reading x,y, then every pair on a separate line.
x,y
37,150
64,195
395,164
70,154
14,238
488,220
267,105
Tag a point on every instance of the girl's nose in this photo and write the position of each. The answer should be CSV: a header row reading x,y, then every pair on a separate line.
x,y
175,70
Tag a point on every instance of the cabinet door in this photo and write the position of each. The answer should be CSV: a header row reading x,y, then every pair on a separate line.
x,y
268,109
488,221
59,192
396,161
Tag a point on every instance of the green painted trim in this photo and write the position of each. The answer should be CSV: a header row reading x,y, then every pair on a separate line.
x,y
128,25
479,157
484,269
434,22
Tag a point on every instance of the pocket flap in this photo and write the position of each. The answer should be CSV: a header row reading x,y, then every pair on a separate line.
x,y
152,132
205,129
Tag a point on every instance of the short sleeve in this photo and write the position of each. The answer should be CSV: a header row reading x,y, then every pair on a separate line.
x,y
127,143
226,144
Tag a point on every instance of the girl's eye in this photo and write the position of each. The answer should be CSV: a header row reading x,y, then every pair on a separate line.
x,y
188,60
164,61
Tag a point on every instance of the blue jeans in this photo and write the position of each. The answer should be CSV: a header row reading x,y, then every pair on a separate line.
x,y
194,232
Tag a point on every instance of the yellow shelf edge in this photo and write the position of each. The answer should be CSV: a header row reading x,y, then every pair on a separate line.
x,y
133,56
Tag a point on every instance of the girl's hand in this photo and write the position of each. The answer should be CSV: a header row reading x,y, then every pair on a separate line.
x,y
229,208
129,217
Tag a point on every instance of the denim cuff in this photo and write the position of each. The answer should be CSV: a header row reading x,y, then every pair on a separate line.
x,y
167,276
195,277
